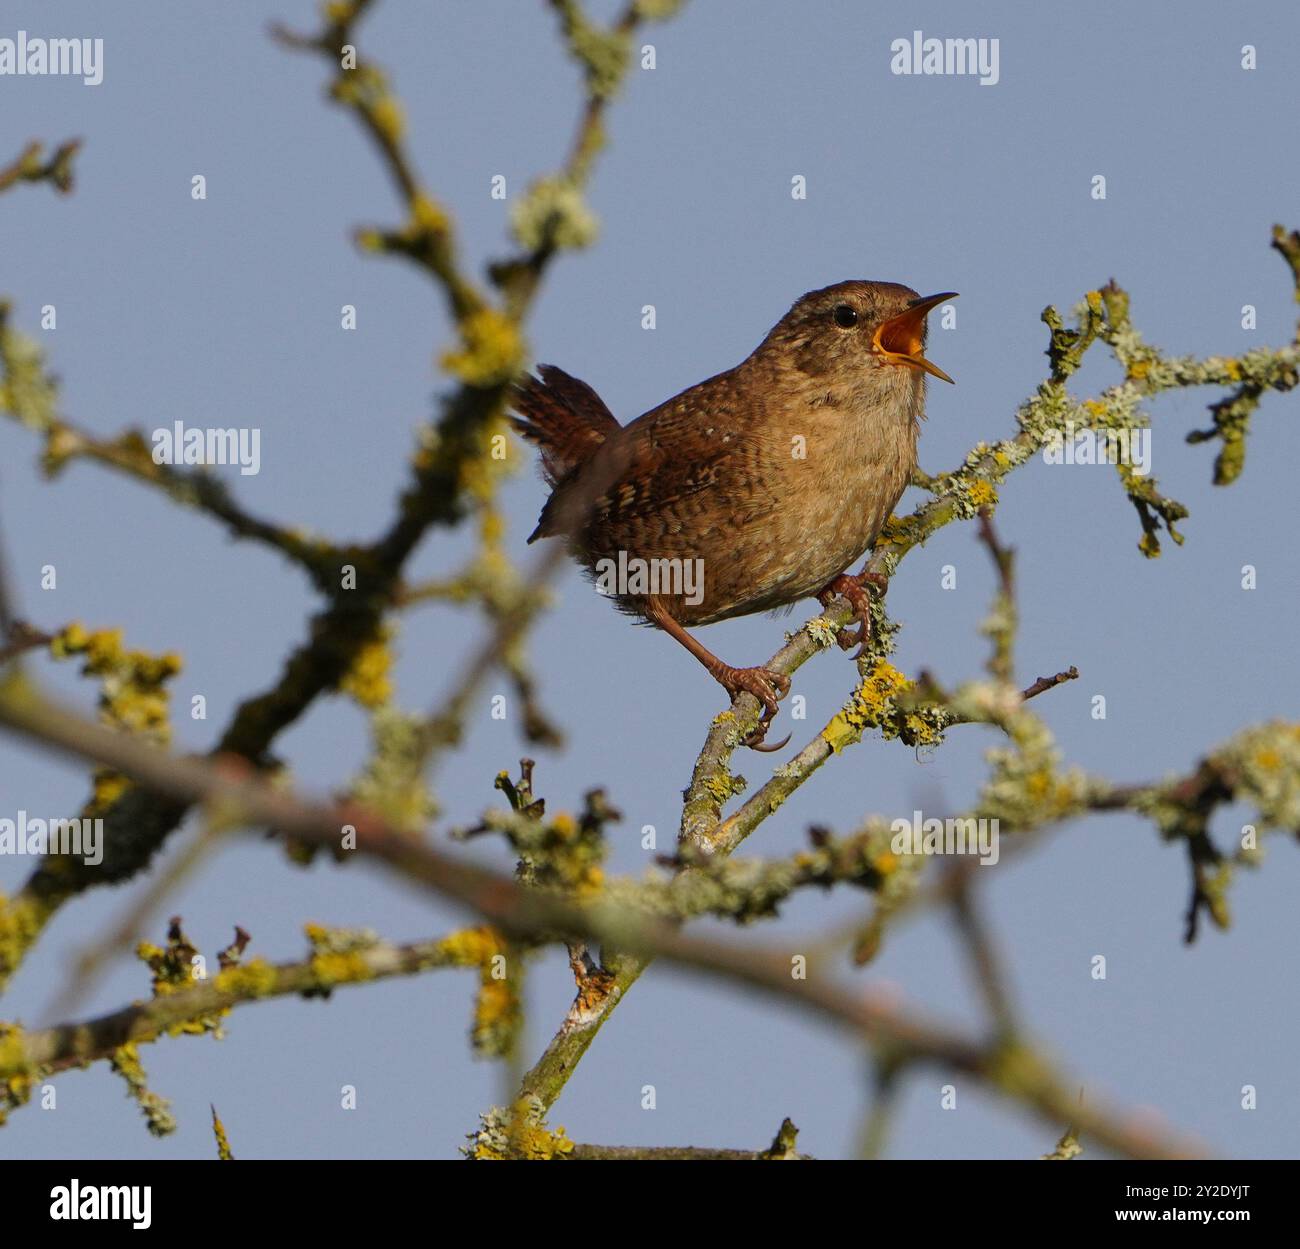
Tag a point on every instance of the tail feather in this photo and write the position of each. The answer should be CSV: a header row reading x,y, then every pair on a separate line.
x,y
564,418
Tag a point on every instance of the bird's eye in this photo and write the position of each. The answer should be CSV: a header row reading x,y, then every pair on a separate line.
x,y
845,316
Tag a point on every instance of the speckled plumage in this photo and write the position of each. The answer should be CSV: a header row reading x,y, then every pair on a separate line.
x,y
716,474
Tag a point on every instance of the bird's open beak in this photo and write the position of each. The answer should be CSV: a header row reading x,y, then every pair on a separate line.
x,y
900,339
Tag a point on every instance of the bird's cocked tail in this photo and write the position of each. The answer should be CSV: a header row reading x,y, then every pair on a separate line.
x,y
569,423
564,418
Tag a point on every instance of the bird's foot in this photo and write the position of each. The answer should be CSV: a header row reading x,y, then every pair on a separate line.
x,y
767,686
853,589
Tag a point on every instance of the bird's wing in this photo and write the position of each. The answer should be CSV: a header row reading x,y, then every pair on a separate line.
x,y
661,472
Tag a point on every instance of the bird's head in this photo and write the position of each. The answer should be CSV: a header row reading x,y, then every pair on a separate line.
x,y
839,331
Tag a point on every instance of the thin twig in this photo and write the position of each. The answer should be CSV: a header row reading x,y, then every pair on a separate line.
x,y
1048,683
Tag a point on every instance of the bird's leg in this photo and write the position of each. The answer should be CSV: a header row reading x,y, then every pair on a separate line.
x,y
767,686
852,589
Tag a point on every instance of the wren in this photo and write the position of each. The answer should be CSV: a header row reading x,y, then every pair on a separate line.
x,y
775,476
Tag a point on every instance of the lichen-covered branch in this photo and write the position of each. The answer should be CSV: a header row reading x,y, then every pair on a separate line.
x,y
453,472
560,893
538,914
61,1047
907,710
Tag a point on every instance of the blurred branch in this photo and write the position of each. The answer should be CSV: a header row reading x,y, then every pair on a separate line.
x,y
72,1045
30,167
449,470
976,943
237,798
510,620
359,85
560,893
29,394
21,638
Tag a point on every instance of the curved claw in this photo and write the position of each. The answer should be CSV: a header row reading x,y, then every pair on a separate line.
x,y
851,588
755,742
847,639
768,687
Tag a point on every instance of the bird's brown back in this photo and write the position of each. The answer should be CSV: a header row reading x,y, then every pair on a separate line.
x,y
775,475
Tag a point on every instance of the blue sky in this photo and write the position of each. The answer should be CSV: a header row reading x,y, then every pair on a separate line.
x,y
227,312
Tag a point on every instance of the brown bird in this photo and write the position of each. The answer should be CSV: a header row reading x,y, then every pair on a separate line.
x,y
753,489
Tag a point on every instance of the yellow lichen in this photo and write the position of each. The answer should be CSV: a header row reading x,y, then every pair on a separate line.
x,y
471,947
868,707
722,786
156,1110
388,118
340,968
224,1152
256,978
492,527
133,694
427,216
368,680
15,1064
895,529
108,788
518,1132
491,351
918,731
21,921
496,1009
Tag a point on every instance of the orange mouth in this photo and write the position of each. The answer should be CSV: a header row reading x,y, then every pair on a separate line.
x,y
901,339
